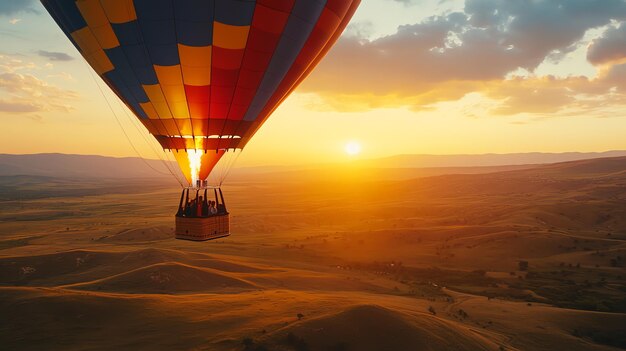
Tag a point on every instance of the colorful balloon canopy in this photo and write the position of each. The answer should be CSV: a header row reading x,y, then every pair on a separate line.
x,y
202,74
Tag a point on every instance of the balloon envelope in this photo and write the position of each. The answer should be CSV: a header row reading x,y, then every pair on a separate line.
x,y
202,74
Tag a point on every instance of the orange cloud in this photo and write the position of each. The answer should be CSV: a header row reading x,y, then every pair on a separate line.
x,y
447,57
25,93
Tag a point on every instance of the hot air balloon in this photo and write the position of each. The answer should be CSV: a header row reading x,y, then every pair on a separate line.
x,y
202,75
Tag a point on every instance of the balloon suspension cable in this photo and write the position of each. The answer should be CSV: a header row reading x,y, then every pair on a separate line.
x,y
120,124
229,165
169,155
166,161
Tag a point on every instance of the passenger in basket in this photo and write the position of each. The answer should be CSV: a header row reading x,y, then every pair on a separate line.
x,y
193,207
213,209
205,208
199,206
188,208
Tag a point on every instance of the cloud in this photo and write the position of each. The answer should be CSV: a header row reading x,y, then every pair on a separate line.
x,y
12,64
610,47
359,29
61,75
11,7
19,107
543,95
443,58
22,92
55,56
15,20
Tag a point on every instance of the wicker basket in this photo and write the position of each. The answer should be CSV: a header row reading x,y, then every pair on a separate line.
x,y
202,228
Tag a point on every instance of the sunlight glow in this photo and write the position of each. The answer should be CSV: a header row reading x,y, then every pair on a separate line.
x,y
353,148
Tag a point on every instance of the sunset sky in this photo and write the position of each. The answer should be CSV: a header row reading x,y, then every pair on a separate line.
x,y
407,77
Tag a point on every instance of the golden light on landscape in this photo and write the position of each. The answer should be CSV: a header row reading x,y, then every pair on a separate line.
x,y
283,175
353,148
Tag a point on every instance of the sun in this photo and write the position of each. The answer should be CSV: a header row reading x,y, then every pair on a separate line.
x,y
353,148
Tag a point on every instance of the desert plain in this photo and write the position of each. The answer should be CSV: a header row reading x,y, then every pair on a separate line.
x,y
531,258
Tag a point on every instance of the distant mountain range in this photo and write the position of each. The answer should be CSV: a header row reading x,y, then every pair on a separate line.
x,y
485,160
86,166
401,166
